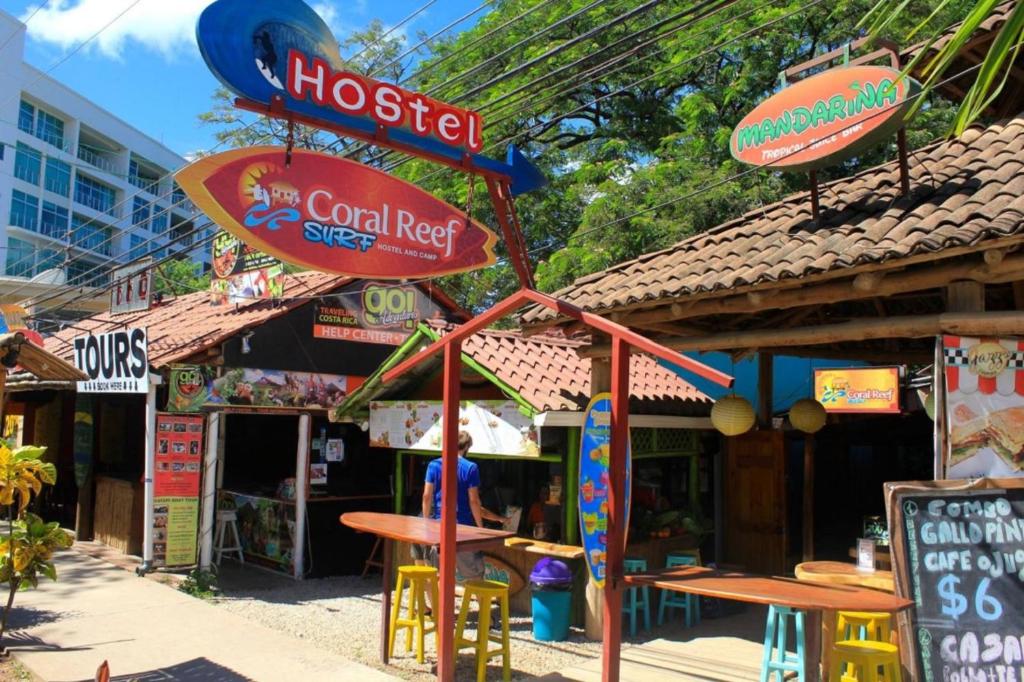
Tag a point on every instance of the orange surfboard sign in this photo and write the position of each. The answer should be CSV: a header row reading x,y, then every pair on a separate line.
x,y
334,215
824,119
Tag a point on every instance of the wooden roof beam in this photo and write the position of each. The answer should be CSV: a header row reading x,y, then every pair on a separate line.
x,y
1002,323
872,285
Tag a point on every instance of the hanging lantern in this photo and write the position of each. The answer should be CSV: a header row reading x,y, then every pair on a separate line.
x,y
807,415
732,415
929,405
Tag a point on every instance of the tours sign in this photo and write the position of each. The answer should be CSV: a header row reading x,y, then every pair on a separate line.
x,y
116,361
824,119
330,214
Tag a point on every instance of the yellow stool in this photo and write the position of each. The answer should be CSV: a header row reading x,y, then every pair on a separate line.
x,y
419,579
485,592
860,661
867,625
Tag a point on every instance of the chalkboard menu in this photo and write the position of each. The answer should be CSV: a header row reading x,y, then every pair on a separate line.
x,y
959,555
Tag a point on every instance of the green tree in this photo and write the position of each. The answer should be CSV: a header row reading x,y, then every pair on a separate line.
x,y
626,107
936,63
179,277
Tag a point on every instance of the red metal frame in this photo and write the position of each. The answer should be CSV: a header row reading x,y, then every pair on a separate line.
x,y
498,184
622,340
449,496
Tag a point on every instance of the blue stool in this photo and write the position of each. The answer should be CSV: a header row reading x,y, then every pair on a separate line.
x,y
675,600
775,634
636,597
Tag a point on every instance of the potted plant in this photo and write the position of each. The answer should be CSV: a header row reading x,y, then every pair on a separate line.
x,y
28,546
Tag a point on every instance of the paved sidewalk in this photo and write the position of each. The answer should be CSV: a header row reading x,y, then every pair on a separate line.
x,y
148,631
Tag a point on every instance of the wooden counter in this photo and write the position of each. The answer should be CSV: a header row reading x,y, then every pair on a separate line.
x,y
118,514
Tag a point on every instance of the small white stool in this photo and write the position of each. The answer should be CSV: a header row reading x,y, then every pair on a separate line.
x,y
227,519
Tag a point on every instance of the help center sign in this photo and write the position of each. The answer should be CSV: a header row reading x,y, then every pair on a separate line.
x,y
115,361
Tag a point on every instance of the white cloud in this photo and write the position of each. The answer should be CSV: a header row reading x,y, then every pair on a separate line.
x,y
164,26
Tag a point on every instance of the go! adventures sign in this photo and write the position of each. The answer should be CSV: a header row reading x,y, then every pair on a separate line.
x,y
335,215
824,119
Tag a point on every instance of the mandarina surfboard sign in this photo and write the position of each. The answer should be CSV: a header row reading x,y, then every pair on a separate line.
x,y
334,215
824,119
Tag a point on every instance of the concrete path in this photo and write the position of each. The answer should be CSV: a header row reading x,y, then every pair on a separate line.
x,y
146,631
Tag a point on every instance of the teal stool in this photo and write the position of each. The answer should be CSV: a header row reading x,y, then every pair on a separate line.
x,y
775,634
636,597
690,603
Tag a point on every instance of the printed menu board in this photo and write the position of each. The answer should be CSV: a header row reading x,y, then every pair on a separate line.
x,y
867,390
498,427
595,449
959,555
179,457
984,406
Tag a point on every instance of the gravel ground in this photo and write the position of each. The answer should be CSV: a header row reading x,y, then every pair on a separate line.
x,y
343,615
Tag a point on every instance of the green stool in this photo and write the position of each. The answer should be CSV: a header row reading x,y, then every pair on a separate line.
x,y
690,603
636,597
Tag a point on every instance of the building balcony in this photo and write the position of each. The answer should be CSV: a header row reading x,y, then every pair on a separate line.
x,y
97,159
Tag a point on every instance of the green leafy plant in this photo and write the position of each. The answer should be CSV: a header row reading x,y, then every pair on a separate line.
x,y
27,548
199,583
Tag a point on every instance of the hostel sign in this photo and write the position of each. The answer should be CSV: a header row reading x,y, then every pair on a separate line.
x,y
824,119
865,390
330,214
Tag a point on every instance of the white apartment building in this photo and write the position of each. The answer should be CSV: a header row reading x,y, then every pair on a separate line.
x,y
79,187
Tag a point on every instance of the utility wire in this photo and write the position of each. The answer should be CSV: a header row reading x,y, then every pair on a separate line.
x,y
403,22
25,23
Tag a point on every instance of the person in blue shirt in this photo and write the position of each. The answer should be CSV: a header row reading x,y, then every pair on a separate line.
x,y
468,509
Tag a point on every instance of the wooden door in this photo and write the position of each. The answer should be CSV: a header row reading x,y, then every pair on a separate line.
x,y
755,502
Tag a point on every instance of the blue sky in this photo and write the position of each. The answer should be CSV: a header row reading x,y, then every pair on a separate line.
x,y
146,68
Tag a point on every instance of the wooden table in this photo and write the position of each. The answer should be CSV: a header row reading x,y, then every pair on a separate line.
x,y
843,573
840,573
813,598
417,530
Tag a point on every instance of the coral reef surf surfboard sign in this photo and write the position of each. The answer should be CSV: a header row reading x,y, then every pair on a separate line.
x,y
280,54
824,119
335,215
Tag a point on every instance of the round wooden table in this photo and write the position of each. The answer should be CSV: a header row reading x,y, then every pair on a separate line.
x,y
840,573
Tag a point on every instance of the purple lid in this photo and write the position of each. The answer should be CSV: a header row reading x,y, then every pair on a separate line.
x,y
550,571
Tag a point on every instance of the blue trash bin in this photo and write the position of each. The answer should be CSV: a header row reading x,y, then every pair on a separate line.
x,y
551,587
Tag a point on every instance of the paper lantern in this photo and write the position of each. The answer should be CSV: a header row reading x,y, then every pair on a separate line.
x,y
807,415
732,415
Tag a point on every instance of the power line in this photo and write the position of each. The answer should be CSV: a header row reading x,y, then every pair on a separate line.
x,y
74,51
366,48
24,23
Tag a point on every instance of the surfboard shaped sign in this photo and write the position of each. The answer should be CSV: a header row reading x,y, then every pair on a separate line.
x,y
330,214
280,52
824,119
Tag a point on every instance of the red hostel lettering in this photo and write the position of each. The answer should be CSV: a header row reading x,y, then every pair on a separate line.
x,y
392,106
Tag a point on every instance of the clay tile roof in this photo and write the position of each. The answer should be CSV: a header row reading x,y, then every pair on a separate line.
x,y
964,192
548,372
993,23
185,325
545,370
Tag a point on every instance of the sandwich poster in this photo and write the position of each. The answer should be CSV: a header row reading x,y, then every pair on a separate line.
x,y
984,406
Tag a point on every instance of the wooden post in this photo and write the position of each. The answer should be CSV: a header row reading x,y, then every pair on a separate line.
x,y
765,388
449,496
571,484
965,297
808,497
301,494
209,506
616,511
